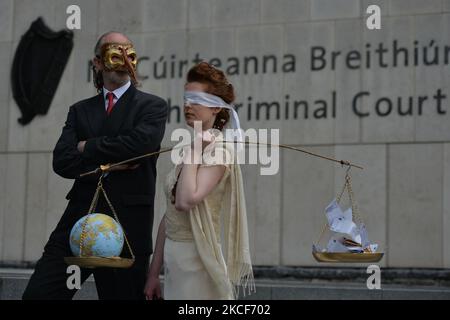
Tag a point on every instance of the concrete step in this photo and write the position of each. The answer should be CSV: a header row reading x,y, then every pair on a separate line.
x,y
14,281
269,289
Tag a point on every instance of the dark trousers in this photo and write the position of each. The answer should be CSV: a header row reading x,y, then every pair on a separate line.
x,y
49,280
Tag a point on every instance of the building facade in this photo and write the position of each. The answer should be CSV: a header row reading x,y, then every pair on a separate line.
x,y
310,68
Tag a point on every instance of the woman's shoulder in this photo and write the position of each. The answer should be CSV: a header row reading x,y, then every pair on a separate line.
x,y
219,153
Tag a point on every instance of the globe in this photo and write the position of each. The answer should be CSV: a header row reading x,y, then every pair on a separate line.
x,y
103,236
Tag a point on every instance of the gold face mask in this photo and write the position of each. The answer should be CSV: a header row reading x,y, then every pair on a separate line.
x,y
118,57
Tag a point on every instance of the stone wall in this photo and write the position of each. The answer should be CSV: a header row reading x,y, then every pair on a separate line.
x,y
402,191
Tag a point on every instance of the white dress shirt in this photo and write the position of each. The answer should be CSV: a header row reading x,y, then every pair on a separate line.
x,y
117,93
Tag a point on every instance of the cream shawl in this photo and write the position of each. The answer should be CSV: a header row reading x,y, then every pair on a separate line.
x,y
235,269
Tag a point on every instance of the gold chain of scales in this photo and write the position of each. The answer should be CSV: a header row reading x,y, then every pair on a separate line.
x,y
355,211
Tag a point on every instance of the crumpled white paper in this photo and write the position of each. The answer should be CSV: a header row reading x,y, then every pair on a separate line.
x,y
341,224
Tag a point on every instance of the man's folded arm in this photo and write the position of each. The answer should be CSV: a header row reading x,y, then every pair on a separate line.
x,y
144,138
67,160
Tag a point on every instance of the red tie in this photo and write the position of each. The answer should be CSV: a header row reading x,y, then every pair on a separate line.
x,y
110,97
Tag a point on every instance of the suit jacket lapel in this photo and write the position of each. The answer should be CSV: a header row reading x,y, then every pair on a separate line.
x,y
96,115
118,114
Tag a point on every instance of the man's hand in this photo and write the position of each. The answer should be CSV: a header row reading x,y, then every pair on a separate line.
x,y
81,145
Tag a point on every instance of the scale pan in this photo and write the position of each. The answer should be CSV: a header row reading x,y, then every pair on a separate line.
x,y
348,257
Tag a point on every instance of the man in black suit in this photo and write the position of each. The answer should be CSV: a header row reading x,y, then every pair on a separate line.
x,y
119,123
